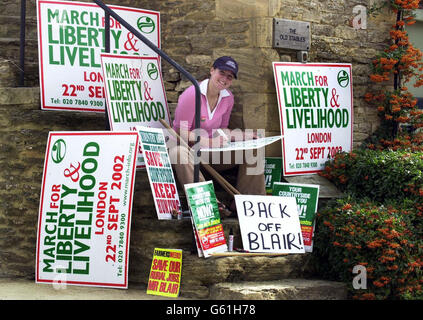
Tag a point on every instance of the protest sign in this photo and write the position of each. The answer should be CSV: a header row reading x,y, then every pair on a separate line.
x,y
272,172
159,170
307,196
71,37
316,113
205,214
85,208
269,224
165,273
244,145
135,95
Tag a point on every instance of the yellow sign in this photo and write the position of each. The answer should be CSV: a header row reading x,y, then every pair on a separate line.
x,y
165,273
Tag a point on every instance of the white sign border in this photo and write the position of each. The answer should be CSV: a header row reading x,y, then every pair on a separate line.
x,y
124,285
40,47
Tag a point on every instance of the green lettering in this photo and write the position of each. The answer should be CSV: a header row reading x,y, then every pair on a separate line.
x,y
48,263
53,15
285,78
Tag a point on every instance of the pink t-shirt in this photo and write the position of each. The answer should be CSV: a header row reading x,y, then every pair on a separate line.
x,y
185,110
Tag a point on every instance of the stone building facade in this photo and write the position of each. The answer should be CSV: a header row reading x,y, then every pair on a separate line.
x,y
193,33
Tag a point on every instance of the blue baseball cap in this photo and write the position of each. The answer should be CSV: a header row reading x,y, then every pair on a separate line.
x,y
226,63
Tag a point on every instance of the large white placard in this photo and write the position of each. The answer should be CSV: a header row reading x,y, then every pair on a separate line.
x,y
71,38
269,224
85,208
316,113
135,94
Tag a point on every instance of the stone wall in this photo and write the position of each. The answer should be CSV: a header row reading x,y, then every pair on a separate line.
x,y
194,33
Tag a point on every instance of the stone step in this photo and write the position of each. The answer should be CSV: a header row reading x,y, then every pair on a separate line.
x,y
286,289
200,275
24,289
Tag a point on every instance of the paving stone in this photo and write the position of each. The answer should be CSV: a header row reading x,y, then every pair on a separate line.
x,y
287,289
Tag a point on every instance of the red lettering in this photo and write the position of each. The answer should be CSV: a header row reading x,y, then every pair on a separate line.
x,y
153,159
158,159
172,288
152,285
175,266
55,196
170,190
173,277
162,287
158,190
159,265
157,275
321,80
317,153
148,157
96,91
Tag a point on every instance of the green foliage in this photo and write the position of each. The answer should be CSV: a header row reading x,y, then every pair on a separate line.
x,y
378,175
379,224
386,240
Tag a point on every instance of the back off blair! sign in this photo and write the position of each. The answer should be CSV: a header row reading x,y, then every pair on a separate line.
x,y
316,113
269,224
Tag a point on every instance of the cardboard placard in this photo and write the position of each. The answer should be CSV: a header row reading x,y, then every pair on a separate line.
x,y
269,224
159,170
165,273
206,218
85,208
307,197
316,113
70,41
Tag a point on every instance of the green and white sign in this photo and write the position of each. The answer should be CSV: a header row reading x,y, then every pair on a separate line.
x,y
307,196
159,170
85,208
206,218
316,113
135,94
272,172
71,37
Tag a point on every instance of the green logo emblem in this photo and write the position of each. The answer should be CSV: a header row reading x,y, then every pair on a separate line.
x,y
343,78
152,71
58,151
146,24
